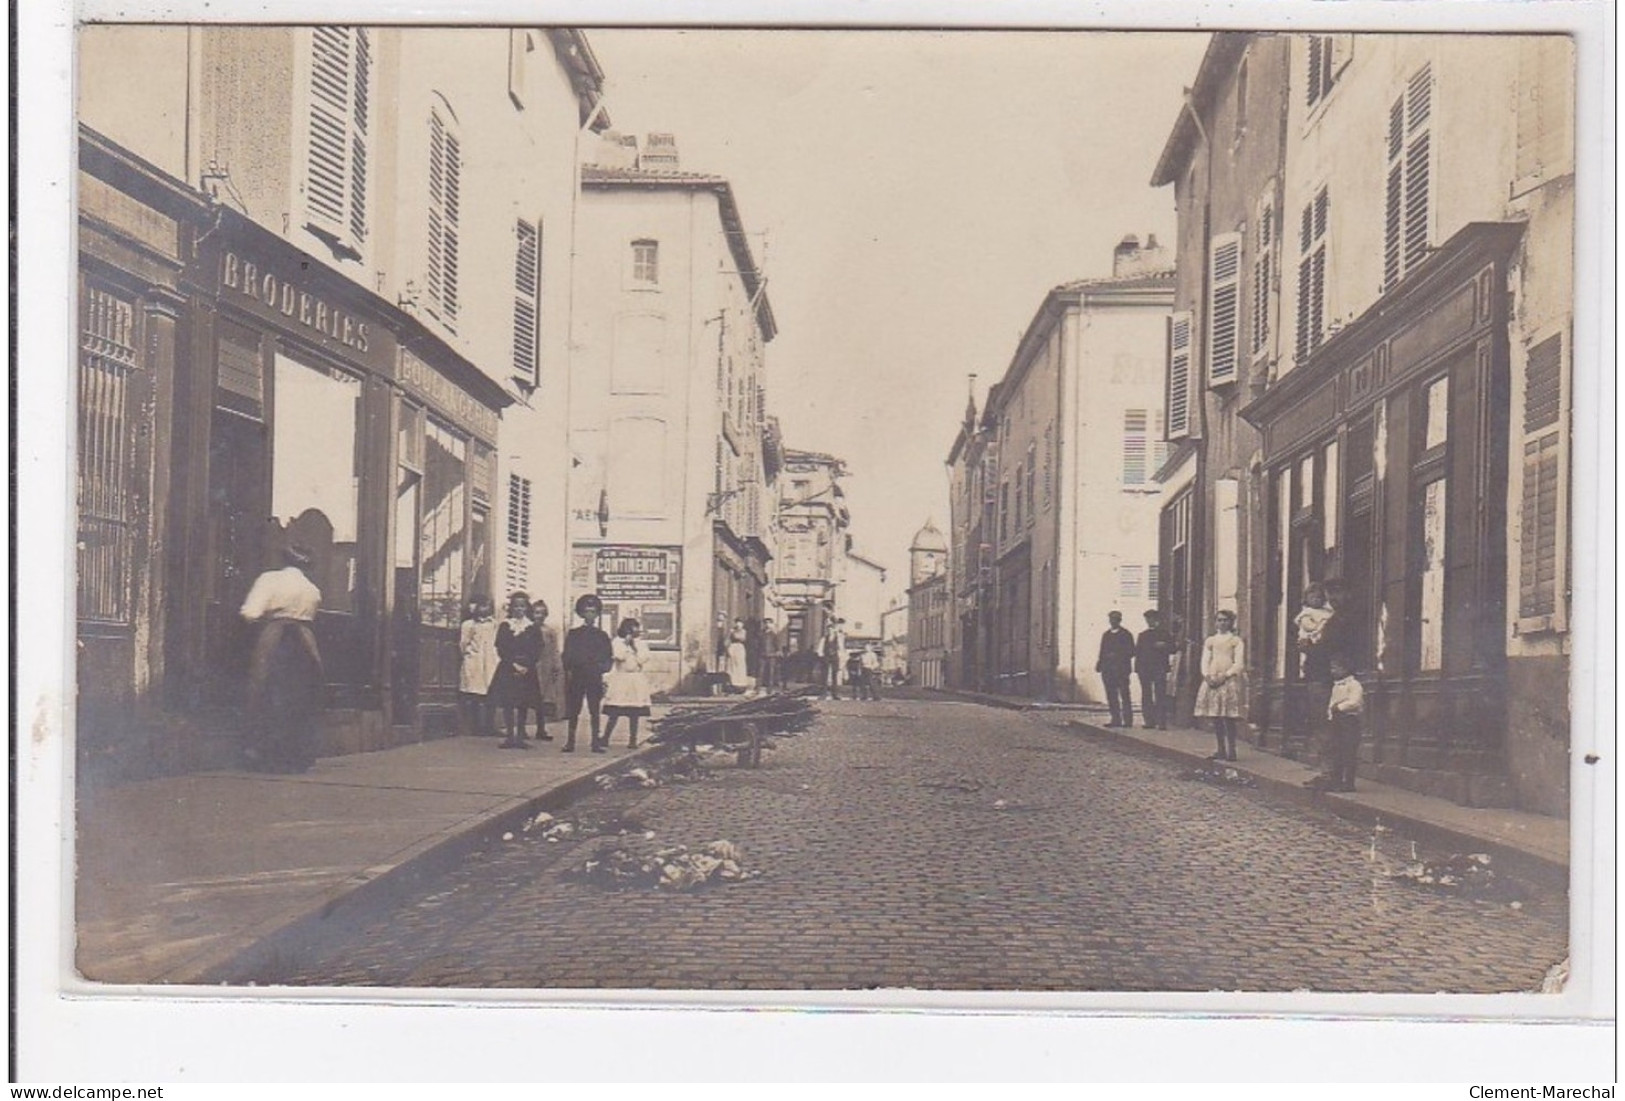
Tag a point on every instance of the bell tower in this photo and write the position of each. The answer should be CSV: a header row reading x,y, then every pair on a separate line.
x,y
928,554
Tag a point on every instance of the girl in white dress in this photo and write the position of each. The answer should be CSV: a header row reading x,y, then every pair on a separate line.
x,y
626,688
739,679
1222,693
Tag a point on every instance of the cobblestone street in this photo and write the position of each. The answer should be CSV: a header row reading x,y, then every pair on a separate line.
x,y
948,846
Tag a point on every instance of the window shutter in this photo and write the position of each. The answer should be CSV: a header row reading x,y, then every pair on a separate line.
x,y
1312,275
1224,309
327,163
526,290
1317,60
1263,277
1179,375
445,183
1540,545
1134,447
358,136
1159,442
454,177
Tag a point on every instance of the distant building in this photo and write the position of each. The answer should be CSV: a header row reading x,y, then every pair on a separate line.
x,y
930,608
860,598
810,533
1068,443
894,640
673,461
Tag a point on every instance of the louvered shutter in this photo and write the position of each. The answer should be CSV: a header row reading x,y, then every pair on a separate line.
x,y
1406,214
1135,449
1224,309
526,287
445,183
1540,545
1263,277
332,85
361,103
1312,274
1179,375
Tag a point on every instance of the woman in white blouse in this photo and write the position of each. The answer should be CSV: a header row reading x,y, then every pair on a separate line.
x,y
1223,692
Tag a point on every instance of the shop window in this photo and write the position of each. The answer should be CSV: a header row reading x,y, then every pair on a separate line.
x,y
1224,308
1406,210
443,532
445,213
1312,274
1226,541
1263,274
1135,447
107,447
527,290
1179,375
1430,642
1328,496
1436,419
315,471
337,136
646,263
1542,557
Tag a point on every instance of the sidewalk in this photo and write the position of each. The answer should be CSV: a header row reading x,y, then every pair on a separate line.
x,y
178,875
1530,845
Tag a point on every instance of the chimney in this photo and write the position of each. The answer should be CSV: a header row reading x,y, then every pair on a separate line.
x,y
617,150
659,153
1130,259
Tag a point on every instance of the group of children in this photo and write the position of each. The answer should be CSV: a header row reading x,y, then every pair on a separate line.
x,y
517,665
1328,666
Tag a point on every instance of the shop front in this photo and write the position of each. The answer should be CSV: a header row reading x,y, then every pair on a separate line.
x,y
314,413
1386,459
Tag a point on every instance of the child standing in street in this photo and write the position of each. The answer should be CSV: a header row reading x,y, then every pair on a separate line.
x,y
626,688
1222,694
514,688
587,657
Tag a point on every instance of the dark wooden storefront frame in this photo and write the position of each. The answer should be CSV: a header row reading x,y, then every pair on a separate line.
x,y
1445,728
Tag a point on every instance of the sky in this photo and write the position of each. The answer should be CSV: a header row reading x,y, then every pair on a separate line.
x,y
913,195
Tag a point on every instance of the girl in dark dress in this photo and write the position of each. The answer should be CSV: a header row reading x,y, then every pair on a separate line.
x,y
515,688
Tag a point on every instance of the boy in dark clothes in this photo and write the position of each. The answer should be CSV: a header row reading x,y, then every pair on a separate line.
x,y
587,657
1115,666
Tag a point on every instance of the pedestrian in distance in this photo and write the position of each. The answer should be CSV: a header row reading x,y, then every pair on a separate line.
x,y
1153,651
587,657
626,687
515,688
477,643
1222,694
854,674
771,645
285,675
869,672
549,671
1329,657
738,661
1115,666
830,667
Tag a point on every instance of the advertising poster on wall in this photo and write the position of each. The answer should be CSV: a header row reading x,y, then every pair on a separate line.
x,y
636,582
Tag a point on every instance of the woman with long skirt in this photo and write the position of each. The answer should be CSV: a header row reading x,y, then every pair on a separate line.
x,y
514,688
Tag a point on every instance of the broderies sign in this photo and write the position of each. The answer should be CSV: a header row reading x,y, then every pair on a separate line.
x,y
270,291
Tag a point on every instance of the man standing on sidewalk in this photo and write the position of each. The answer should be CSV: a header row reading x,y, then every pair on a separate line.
x,y
1327,658
770,654
1116,666
1151,653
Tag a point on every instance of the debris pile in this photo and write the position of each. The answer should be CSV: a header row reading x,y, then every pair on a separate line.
x,y
680,769
554,830
1461,872
1219,774
669,867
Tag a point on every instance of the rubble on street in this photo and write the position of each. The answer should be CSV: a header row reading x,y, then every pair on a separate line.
x,y
1219,774
644,864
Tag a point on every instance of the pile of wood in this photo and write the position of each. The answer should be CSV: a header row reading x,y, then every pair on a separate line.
x,y
742,727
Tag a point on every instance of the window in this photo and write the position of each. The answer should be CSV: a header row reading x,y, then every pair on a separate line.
x,y
1431,650
108,361
1542,561
1241,100
1153,590
1130,583
1312,274
1135,447
337,139
445,199
1016,523
1032,482
1224,309
1004,511
1405,221
527,288
1179,375
519,490
1159,443
315,471
442,537
646,263
1328,53
1049,464
1263,274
